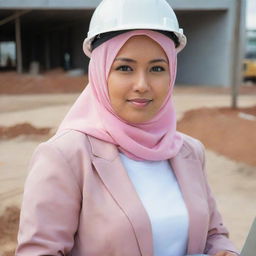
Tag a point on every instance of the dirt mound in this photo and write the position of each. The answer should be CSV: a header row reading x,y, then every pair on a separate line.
x,y
52,82
226,131
9,222
21,129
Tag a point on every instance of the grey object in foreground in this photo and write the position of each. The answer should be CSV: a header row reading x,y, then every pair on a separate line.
x,y
249,248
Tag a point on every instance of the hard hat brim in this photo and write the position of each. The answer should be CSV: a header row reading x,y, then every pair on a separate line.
x,y
87,48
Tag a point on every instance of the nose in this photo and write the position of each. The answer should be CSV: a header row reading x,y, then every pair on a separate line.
x,y
141,83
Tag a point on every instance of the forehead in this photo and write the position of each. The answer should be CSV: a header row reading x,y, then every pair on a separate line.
x,y
143,45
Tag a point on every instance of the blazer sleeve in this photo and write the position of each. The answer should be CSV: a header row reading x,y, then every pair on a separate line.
x,y
218,236
51,205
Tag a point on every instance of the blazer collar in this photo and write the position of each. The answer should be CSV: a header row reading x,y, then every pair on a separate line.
x,y
103,149
185,169
106,160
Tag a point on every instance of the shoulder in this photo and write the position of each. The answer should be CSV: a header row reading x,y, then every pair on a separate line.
x,y
67,140
191,142
70,147
192,147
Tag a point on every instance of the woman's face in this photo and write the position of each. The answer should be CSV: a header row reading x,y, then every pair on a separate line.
x,y
139,80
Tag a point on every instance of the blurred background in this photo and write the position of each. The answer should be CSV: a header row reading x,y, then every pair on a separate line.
x,y
43,70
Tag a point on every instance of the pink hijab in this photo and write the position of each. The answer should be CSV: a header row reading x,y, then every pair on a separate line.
x,y
92,113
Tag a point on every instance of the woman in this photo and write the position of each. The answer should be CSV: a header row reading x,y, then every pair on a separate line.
x,y
117,178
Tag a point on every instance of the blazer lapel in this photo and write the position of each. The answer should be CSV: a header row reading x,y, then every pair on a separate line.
x,y
186,170
112,173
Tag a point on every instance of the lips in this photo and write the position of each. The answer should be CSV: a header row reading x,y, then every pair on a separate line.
x,y
140,102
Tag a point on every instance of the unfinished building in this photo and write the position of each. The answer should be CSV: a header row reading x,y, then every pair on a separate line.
x,y
49,33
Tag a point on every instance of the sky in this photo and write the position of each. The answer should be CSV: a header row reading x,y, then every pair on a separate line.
x,y
251,14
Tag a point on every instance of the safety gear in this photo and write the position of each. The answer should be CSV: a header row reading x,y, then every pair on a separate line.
x,y
115,15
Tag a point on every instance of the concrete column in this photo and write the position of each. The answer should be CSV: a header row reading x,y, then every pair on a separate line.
x,y
18,45
238,50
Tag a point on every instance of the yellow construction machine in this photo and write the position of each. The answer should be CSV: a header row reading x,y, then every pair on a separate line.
x,y
249,72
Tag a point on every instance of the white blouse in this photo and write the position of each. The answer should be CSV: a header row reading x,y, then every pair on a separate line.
x,y
160,194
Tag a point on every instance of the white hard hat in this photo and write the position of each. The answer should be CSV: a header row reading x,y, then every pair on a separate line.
x,y
118,15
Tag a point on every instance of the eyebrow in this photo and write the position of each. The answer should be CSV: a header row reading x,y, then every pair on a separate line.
x,y
158,60
124,59
134,61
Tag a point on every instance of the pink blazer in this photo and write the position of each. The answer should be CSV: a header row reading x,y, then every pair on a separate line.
x,y
79,201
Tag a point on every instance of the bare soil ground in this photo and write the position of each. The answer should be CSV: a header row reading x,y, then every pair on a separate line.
x,y
32,107
9,226
224,130
55,81
9,132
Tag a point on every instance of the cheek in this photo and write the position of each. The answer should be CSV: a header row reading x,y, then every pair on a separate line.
x,y
162,88
116,89
112,88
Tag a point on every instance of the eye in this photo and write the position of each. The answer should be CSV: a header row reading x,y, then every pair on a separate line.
x,y
157,69
124,68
